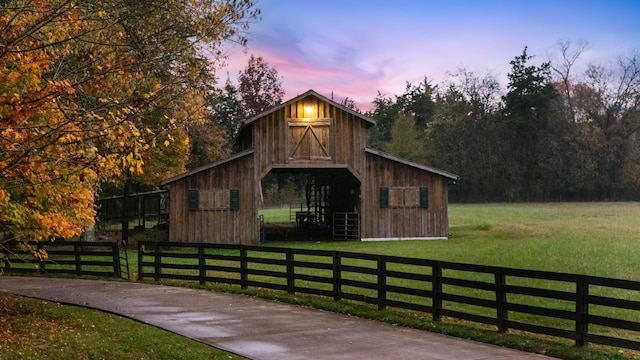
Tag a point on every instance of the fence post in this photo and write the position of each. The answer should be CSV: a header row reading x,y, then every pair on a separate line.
x,y
243,267
76,252
501,300
157,261
290,271
202,272
382,282
436,286
140,259
337,283
41,263
115,251
582,310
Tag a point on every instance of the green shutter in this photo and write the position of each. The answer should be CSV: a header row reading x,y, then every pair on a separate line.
x,y
384,197
234,204
193,200
424,197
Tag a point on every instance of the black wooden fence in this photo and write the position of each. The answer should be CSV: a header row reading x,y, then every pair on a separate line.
x,y
142,211
76,258
586,309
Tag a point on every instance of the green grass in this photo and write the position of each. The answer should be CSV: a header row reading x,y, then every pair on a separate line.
x,y
276,215
37,329
598,239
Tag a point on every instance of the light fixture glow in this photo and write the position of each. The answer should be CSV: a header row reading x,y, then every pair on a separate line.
x,y
308,111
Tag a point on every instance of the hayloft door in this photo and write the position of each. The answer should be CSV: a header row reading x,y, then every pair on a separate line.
x,y
309,140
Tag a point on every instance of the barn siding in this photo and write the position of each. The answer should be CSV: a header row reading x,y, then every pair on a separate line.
x,y
223,226
266,143
347,136
402,222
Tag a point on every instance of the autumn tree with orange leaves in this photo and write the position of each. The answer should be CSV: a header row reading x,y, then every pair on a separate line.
x,y
94,91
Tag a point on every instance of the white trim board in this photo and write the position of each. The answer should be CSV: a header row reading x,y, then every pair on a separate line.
x,y
404,238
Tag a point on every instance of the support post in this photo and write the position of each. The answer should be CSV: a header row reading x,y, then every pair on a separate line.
x,y
501,300
436,285
582,310
243,268
202,272
290,271
337,283
382,283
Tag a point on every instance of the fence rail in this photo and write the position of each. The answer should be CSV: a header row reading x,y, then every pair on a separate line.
x,y
582,308
78,258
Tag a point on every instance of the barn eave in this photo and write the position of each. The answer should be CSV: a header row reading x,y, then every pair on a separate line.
x,y
367,120
206,167
382,154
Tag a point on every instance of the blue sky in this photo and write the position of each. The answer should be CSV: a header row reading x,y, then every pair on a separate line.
x,y
356,48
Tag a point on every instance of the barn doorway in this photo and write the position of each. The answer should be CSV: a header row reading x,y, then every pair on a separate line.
x,y
310,205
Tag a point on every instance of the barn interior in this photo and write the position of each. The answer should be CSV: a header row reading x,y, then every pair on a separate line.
x,y
326,204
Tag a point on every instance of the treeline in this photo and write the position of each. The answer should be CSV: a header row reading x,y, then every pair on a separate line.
x,y
552,136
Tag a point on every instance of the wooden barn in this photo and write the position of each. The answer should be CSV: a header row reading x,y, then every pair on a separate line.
x,y
353,192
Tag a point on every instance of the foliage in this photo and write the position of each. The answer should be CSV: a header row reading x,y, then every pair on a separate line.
x,y
260,87
227,109
349,103
385,110
416,102
460,136
572,137
94,91
405,142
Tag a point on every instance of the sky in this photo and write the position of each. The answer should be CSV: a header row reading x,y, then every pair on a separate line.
x,y
359,48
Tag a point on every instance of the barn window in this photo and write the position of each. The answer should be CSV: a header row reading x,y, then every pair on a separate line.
x,y
215,199
234,202
384,197
408,197
424,197
193,200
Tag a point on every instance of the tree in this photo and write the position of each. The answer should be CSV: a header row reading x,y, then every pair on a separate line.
x,y
260,87
416,102
405,142
528,105
563,69
226,109
384,112
609,100
462,135
349,103
96,90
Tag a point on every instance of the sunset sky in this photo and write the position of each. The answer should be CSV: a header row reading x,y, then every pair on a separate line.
x,y
356,48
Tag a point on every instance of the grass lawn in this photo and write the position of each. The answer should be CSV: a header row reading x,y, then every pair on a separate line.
x,y
38,329
599,239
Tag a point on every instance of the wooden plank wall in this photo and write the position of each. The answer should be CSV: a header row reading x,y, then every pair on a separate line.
x,y
402,222
222,226
347,135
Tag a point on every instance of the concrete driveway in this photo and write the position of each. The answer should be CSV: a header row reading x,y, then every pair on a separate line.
x,y
255,328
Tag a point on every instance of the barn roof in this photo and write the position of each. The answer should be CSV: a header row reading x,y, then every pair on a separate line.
x,y
207,167
412,164
367,120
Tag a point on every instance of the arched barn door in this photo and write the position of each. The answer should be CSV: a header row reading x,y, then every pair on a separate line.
x,y
329,205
